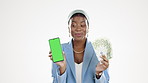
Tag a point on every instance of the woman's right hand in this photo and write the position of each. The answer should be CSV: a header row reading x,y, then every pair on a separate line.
x,y
61,64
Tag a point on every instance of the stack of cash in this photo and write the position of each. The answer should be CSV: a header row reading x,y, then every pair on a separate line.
x,y
102,46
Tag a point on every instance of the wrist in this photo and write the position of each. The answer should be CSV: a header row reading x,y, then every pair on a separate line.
x,y
98,74
62,69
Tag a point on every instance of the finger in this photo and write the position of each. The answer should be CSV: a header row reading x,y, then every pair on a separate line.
x,y
101,66
104,63
105,67
50,55
49,52
104,58
51,58
63,53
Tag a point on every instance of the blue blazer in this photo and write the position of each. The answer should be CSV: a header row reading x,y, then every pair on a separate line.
x,y
90,61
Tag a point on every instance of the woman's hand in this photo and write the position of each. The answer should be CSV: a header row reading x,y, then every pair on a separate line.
x,y
61,64
102,65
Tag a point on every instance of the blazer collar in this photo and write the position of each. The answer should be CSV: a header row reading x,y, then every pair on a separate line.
x,y
70,58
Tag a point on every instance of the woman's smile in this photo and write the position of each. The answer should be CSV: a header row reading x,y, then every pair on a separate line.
x,y
78,34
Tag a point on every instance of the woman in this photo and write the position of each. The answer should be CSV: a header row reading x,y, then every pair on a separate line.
x,y
80,63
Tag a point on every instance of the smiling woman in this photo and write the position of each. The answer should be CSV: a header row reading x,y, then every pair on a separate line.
x,y
78,28
80,64
26,25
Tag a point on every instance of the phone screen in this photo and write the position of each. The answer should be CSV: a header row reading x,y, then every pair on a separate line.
x,y
56,49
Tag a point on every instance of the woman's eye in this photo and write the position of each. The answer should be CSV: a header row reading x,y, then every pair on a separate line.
x,y
83,25
73,25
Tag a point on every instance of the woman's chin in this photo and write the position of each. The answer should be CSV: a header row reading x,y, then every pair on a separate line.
x,y
79,38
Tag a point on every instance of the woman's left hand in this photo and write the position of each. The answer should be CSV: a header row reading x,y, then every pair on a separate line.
x,y
102,65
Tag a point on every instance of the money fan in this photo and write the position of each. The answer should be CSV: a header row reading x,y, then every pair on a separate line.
x,y
102,46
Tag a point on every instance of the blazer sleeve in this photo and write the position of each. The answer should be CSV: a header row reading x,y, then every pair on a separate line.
x,y
104,78
57,78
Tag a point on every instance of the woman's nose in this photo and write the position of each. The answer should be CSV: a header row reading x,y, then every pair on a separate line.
x,y
78,27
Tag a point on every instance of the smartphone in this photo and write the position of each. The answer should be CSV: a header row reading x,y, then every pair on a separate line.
x,y
56,50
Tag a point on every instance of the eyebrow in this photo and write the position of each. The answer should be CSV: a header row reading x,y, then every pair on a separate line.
x,y
75,21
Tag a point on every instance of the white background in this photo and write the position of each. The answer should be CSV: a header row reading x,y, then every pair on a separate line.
x,y
26,26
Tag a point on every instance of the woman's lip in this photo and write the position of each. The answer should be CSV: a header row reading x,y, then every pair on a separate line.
x,y
78,34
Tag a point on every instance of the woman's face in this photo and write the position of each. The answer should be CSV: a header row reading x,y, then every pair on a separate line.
x,y
78,27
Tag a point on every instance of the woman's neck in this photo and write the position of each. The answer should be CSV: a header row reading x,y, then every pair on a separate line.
x,y
79,44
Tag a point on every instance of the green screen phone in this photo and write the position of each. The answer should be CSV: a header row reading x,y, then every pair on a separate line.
x,y
56,49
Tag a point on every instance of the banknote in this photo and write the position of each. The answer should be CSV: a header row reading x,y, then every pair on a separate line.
x,y
102,46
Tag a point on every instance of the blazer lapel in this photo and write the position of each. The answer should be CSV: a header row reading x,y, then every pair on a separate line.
x,y
70,58
87,57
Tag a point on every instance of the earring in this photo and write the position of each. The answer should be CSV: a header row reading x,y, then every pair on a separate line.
x,y
69,34
87,32
87,35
